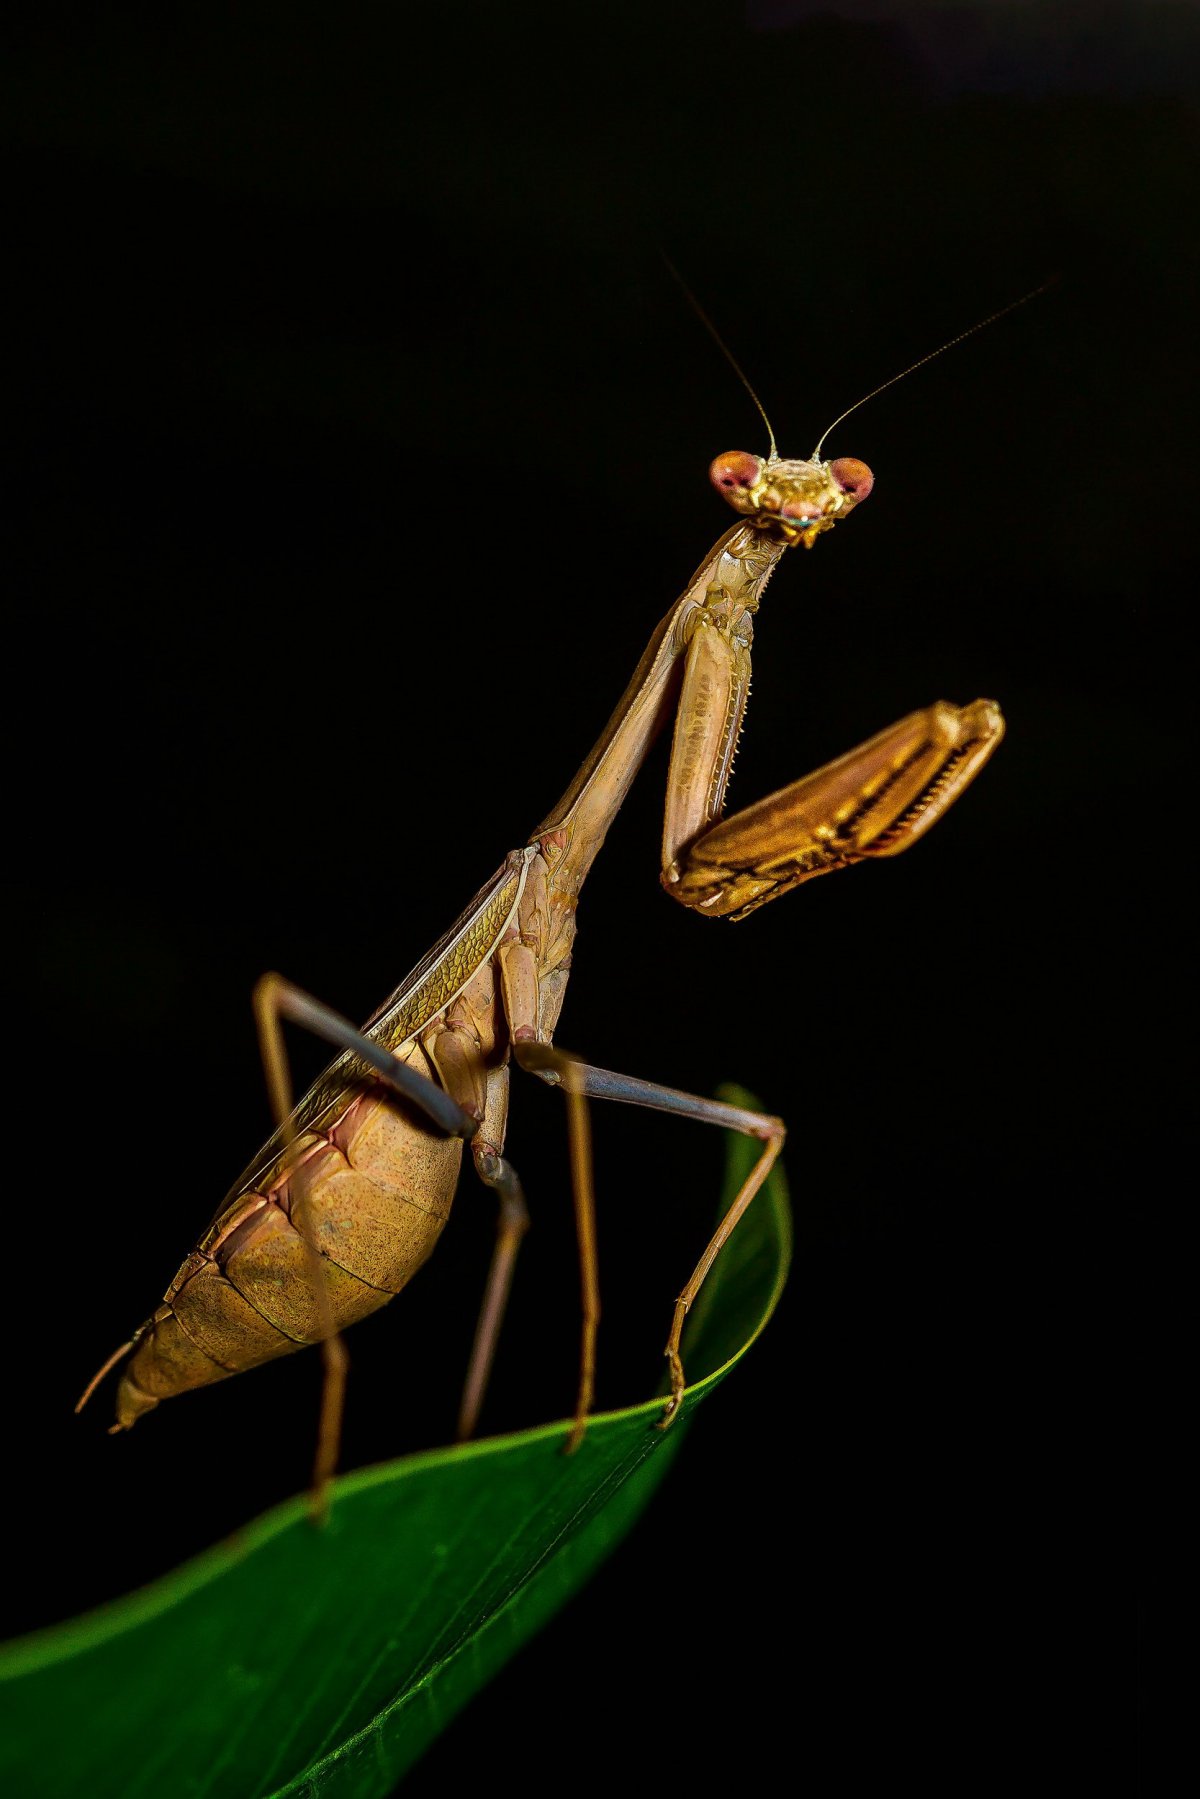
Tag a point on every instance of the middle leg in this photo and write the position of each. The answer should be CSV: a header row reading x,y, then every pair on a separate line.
x,y
581,1081
512,1222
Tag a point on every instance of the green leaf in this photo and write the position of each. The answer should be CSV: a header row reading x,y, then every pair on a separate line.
x,y
292,1660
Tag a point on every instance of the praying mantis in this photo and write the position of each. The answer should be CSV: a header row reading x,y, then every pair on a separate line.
x,y
349,1196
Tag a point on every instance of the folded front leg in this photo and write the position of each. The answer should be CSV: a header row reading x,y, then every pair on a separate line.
x,y
874,801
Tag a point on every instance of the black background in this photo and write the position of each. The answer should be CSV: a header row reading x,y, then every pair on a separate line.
x,y
357,441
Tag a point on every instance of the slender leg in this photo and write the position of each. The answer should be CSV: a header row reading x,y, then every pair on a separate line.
x,y
275,1000
581,1081
583,1189
459,1046
519,987
511,1225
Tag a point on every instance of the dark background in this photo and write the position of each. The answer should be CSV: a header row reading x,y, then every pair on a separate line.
x,y
357,440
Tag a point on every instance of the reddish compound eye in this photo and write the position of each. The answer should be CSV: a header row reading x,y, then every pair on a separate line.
x,y
853,477
734,471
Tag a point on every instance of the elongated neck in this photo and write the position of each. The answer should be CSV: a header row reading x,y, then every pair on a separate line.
x,y
727,586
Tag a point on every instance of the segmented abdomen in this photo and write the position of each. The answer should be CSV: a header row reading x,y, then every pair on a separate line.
x,y
375,1186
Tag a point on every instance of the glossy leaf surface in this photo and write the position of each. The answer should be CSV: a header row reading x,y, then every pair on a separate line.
x,y
291,1660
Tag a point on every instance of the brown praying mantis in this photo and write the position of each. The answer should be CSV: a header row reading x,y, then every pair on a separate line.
x,y
348,1197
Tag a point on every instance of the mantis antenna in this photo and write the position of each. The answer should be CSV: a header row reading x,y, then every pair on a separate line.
x,y
726,352
920,362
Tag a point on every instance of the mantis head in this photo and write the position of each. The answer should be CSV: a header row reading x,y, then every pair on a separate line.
x,y
796,501
792,500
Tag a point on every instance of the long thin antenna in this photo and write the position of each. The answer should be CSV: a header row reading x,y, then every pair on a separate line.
x,y
726,352
921,361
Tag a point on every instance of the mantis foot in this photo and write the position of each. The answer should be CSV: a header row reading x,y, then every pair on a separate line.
x,y
678,1387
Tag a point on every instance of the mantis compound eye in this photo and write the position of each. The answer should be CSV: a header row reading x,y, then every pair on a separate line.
x,y
853,477
734,471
